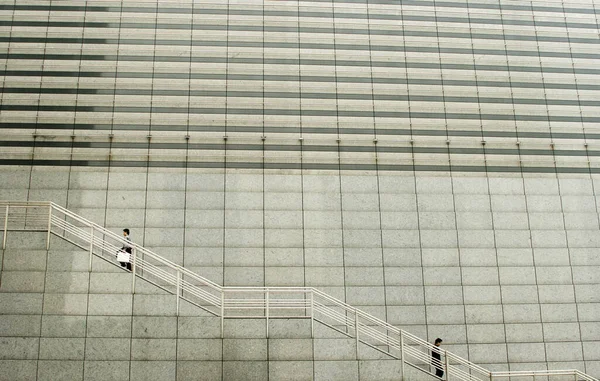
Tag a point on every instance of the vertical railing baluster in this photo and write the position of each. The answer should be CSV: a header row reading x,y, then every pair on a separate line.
x,y
447,363
133,265
91,247
402,355
5,228
222,312
178,289
49,227
312,314
356,331
267,295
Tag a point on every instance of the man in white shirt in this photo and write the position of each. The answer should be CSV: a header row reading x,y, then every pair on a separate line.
x,y
126,248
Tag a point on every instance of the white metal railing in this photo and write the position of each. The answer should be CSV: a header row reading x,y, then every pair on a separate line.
x,y
254,302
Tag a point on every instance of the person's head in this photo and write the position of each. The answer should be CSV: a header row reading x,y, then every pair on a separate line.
x,y
125,232
438,341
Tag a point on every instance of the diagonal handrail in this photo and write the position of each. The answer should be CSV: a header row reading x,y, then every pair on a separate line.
x,y
246,302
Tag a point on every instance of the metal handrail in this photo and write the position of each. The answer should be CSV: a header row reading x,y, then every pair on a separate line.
x,y
520,373
251,302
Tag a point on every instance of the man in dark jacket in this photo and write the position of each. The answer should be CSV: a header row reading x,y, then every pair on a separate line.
x,y
436,359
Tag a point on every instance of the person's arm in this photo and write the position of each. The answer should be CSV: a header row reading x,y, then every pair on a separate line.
x,y
127,243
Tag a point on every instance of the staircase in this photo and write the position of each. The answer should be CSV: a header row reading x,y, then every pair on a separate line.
x,y
300,314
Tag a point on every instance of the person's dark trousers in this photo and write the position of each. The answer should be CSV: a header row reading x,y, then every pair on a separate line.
x,y
436,362
129,263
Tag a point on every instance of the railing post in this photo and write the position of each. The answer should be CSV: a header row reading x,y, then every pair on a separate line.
x,y
49,227
267,309
91,248
492,376
178,289
5,228
222,312
356,332
312,314
133,263
402,355
446,363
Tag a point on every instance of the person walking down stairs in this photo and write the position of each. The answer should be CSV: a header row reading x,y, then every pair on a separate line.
x,y
127,248
436,359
